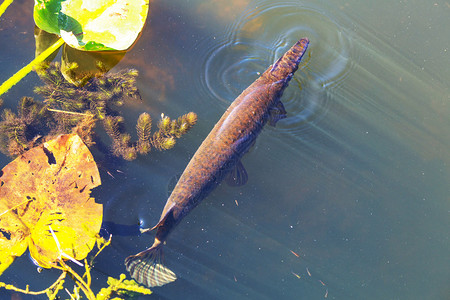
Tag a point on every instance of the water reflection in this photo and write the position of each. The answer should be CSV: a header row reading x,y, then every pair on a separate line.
x,y
77,66
361,193
235,58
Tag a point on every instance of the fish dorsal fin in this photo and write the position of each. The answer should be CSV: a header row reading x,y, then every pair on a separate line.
x,y
276,113
238,175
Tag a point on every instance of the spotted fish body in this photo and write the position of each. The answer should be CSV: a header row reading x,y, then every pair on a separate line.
x,y
217,157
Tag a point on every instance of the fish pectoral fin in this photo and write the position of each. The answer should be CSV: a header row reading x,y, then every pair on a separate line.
x,y
168,211
238,175
276,113
172,183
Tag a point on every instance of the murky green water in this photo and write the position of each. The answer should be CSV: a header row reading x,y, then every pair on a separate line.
x,y
355,180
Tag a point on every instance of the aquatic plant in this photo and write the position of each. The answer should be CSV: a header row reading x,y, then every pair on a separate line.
x,y
98,97
116,289
59,176
99,26
67,108
123,288
19,75
163,139
20,131
54,215
4,6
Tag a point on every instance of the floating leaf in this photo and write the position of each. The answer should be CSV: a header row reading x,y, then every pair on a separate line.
x,y
48,189
93,25
46,15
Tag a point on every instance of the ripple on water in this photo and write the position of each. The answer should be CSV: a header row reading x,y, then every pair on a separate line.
x,y
232,61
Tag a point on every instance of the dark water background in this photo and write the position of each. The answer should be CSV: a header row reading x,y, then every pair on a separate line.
x,y
355,180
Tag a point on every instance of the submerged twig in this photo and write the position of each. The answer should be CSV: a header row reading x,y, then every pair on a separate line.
x,y
67,112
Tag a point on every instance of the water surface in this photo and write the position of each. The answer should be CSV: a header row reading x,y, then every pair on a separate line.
x,y
355,180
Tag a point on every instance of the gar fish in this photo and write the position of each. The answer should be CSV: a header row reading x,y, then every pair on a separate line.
x,y
217,157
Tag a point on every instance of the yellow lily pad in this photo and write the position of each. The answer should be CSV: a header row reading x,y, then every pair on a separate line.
x,y
48,189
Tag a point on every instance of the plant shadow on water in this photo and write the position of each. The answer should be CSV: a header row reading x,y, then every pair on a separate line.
x,y
354,182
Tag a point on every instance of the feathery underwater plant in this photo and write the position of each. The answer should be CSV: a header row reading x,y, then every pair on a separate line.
x,y
67,108
19,132
163,139
99,96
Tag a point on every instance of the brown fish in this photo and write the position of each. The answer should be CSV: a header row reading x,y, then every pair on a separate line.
x,y
219,156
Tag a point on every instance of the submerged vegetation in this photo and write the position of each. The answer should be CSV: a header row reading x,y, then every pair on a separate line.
x,y
43,198
163,139
54,216
67,108
116,289
45,201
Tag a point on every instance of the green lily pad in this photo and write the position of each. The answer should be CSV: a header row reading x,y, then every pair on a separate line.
x,y
46,15
93,25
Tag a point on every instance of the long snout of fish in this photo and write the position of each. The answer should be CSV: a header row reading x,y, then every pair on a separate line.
x,y
286,66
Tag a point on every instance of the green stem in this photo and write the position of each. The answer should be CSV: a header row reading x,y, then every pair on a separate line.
x,y
27,289
28,68
78,280
4,6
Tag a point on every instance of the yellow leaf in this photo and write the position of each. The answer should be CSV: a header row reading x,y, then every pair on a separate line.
x,y
49,187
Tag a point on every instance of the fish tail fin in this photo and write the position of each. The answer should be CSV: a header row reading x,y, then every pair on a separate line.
x,y
146,267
